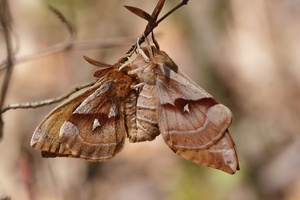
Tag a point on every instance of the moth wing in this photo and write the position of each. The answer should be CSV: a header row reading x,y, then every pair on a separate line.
x,y
221,155
88,126
95,130
193,124
46,135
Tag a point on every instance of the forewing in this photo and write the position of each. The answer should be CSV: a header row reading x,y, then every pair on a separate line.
x,y
193,123
95,130
186,109
46,135
89,126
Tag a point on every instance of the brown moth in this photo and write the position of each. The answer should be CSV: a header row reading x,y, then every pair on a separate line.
x,y
140,99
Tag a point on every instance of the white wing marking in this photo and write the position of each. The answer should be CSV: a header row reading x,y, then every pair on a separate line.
x,y
96,124
186,108
112,111
68,129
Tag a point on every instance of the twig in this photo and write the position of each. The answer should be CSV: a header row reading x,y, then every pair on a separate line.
x,y
76,45
45,102
66,23
5,23
67,44
150,27
184,2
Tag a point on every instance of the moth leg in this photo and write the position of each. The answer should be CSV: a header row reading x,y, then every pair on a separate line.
x,y
125,64
141,51
149,48
154,40
137,86
135,71
127,56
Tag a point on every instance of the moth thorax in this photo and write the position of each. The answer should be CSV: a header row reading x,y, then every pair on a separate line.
x,y
144,70
148,75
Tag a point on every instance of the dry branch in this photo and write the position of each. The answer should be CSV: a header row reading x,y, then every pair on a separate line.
x,y
5,20
45,102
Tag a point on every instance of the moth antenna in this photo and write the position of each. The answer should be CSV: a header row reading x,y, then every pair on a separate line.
x,y
97,63
140,51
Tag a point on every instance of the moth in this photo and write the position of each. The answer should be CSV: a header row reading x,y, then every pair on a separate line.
x,y
140,98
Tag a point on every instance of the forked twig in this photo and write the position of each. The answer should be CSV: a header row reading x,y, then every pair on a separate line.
x,y
5,18
67,44
152,23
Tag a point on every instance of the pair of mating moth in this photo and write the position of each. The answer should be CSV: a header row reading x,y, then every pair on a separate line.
x,y
140,98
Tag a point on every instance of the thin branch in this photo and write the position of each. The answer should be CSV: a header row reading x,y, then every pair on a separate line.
x,y
150,29
76,45
5,19
67,23
67,44
45,102
184,2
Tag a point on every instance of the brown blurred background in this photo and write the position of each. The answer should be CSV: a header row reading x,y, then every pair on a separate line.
x,y
245,53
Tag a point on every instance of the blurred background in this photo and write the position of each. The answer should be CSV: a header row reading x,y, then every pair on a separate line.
x,y
244,53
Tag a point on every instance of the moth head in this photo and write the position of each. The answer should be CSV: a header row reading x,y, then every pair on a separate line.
x,y
162,58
